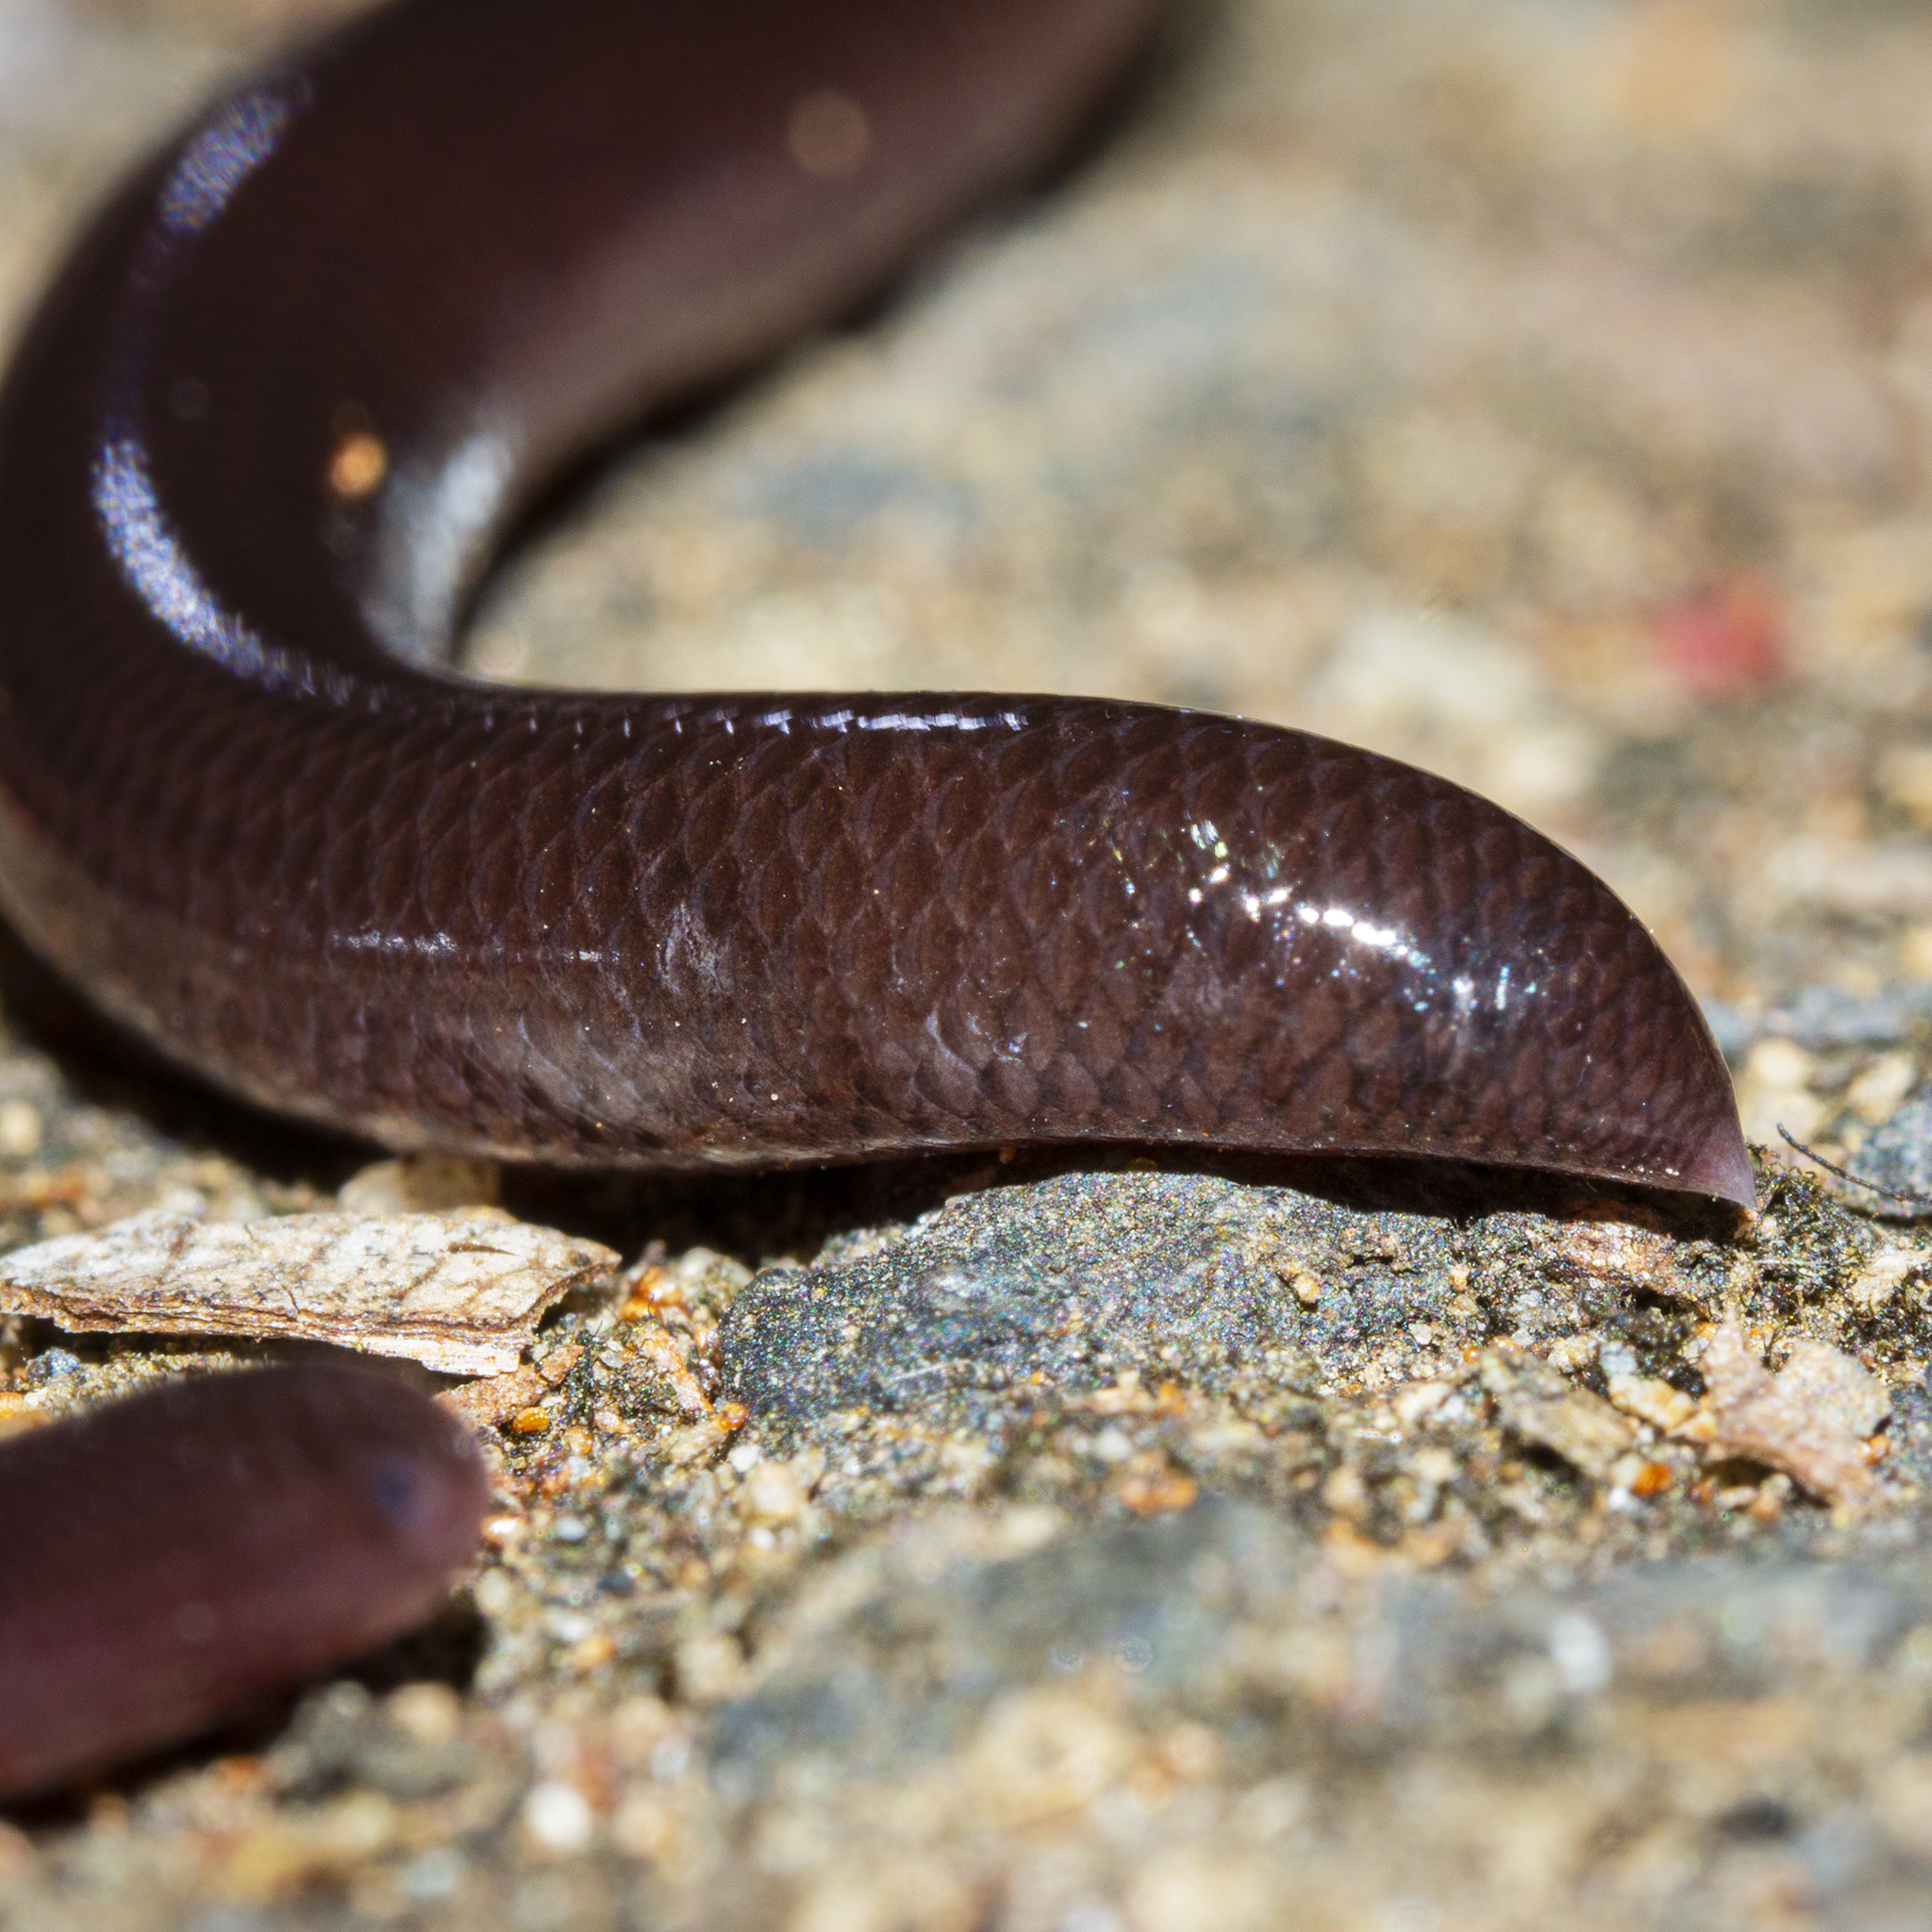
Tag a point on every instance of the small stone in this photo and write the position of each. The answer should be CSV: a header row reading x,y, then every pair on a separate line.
x,y
1535,1402
428,1714
557,1818
434,1874
1639,1476
773,1493
1651,1400
1159,1495
497,1398
1043,1752
1839,1392
709,1668
1811,1421
644,1825
1875,1096
1345,1493
496,1594
1573,1354
1619,1253
1191,1751
422,1184
592,1653
20,1129
1420,1400
1883,1276
704,1439
657,1363
1775,1091
357,1827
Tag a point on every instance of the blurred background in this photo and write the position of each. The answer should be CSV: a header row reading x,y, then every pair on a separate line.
x,y
1536,390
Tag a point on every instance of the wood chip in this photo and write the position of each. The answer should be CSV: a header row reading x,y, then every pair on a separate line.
x,y
1535,1402
460,1292
1810,1419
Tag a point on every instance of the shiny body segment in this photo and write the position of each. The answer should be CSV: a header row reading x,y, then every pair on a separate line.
x,y
181,1552
258,442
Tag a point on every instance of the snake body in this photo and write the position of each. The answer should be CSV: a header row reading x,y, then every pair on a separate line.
x,y
291,387
257,444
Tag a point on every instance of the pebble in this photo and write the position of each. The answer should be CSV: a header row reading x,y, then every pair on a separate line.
x,y
1774,1091
1898,1155
1041,1751
644,1826
773,1493
1810,1419
422,1184
429,1714
1881,1085
557,1818
434,1874
709,1668
1535,1402
1883,1276
1648,1398
21,1129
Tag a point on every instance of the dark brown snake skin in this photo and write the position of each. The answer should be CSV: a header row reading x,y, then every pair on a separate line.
x,y
245,811
176,1552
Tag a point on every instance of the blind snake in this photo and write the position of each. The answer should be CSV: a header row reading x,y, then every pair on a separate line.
x,y
290,389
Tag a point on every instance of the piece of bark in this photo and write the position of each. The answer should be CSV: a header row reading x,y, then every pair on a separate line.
x,y
460,1292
